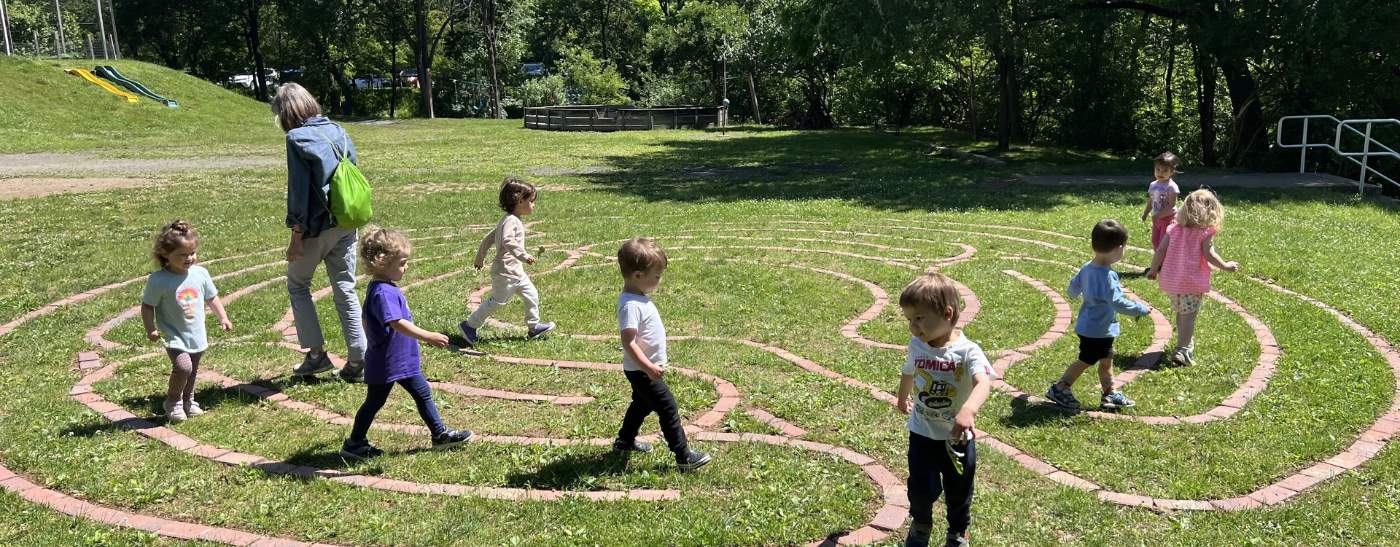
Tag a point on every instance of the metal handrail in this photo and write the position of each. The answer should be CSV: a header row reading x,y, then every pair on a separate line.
x,y
1365,154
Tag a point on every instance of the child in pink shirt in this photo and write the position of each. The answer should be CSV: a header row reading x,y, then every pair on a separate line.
x,y
1161,197
1187,251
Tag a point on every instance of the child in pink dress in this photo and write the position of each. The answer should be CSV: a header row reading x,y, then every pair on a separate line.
x,y
1161,197
1187,251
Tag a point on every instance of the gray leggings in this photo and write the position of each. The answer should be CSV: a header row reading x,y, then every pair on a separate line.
x,y
184,369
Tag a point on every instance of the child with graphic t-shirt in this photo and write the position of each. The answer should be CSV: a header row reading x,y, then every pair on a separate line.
x,y
1098,317
644,355
949,378
174,301
1161,197
392,356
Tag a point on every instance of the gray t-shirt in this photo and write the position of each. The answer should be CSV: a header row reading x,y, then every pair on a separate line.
x,y
179,303
635,311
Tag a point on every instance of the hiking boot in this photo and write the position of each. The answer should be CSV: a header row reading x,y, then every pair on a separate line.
x,y
192,409
634,446
468,333
1116,400
314,364
174,412
918,535
352,372
451,438
540,329
362,451
1062,396
691,460
956,540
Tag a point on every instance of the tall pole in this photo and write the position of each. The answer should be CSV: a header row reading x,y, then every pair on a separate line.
x,y
59,46
5,23
102,31
116,44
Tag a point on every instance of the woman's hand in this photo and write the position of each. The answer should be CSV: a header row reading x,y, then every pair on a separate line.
x,y
294,248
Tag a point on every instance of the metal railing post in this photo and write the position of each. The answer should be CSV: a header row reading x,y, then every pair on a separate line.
x,y
1303,163
1365,156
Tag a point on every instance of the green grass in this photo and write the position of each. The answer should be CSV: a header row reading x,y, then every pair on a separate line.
x,y
438,176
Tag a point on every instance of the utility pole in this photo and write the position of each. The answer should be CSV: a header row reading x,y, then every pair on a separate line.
x,y
5,24
116,44
59,46
102,31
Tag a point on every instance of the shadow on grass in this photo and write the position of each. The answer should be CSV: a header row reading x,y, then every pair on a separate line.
x,y
575,471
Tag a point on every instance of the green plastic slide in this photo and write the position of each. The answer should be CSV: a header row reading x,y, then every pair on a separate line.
x,y
111,73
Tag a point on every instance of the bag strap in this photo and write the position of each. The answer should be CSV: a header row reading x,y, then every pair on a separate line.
x,y
344,152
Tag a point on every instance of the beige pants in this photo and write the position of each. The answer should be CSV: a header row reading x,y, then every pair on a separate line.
x,y
502,288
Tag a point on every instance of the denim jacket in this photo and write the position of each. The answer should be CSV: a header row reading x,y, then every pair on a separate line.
x,y
311,159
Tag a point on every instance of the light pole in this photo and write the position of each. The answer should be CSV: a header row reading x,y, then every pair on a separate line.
x,y
5,24
58,44
102,30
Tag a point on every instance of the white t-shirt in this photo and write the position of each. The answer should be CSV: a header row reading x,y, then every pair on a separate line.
x,y
635,311
942,383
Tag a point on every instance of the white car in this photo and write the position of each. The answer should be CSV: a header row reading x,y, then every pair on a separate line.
x,y
246,79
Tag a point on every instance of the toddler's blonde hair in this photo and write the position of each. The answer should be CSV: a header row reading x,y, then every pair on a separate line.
x,y
934,290
640,254
173,236
1201,210
378,245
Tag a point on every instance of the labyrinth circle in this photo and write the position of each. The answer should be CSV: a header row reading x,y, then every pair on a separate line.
x,y
793,395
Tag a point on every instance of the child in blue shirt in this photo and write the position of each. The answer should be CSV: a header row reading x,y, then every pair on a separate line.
x,y
1098,317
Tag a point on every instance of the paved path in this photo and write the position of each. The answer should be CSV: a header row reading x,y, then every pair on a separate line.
x,y
1189,181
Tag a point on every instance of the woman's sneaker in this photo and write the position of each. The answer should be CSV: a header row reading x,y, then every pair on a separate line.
x,y
352,372
691,460
540,329
1061,396
362,451
1116,400
634,446
174,412
192,409
451,438
468,333
314,364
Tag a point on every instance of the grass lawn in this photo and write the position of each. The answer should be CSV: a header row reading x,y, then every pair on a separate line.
x,y
765,230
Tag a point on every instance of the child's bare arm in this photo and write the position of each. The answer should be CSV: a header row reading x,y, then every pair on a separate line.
x,y
486,242
1159,256
1208,251
1147,210
906,385
148,318
630,347
966,420
407,328
219,312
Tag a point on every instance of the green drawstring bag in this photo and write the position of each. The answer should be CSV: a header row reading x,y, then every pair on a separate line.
x,y
349,200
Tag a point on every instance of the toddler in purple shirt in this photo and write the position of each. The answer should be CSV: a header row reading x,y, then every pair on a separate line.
x,y
392,356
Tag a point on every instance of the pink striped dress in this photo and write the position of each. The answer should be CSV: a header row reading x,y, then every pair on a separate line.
x,y
1185,269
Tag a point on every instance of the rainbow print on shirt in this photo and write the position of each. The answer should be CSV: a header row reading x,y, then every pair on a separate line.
x,y
188,298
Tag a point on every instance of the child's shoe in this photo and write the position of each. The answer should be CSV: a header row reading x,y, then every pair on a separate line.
x,y
1061,396
362,451
314,364
918,535
352,372
1116,400
468,333
174,412
451,438
192,409
541,328
956,540
634,446
691,460
1184,356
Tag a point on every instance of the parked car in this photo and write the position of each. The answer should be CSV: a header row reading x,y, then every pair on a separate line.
x,y
532,69
373,81
270,76
409,77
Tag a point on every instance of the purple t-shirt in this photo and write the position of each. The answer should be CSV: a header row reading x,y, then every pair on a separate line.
x,y
391,355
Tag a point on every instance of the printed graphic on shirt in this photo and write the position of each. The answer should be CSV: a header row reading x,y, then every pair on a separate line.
x,y
935,396
188,299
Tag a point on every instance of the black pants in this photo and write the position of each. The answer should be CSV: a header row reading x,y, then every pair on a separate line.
x,y
648,397
931,472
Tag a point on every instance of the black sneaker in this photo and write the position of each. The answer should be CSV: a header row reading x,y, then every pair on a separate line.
x,y
955,539
918,535
634,446
451,438
361,452
352,372
691,460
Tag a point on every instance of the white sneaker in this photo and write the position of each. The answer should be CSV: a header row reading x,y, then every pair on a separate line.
x,y
192,409
174,412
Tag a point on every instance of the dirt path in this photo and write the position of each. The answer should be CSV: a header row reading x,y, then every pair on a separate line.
x,y
34,175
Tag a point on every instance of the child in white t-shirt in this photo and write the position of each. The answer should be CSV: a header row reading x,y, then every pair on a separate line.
x,y
949,378
644,355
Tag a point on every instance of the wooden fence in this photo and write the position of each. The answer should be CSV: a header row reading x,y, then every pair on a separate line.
x,y
624,117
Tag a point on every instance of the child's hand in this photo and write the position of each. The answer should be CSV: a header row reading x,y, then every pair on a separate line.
x,y
1152,274
905,406
436,339
1144,216
153,335
1232,266
478,265
655,373
963,425
226,324
529,260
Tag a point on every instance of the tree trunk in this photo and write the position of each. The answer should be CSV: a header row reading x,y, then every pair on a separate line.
x,y
1205,103
425,80
255,49
1249,139
393,68
972,100
818,115
1169,127
489,6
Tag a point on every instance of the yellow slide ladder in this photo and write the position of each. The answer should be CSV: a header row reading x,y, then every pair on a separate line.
x,y
89,77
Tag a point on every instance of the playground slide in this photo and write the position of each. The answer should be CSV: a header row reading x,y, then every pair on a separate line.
x,y
89,77
111,73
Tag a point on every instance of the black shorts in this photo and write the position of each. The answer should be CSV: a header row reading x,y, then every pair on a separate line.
x,y
1091,350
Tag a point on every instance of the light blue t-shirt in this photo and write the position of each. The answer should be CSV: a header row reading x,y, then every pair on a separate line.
x,y
1103,301
179,303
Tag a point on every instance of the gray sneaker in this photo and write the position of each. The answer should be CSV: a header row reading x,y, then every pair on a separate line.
x,y
956,540
1116,400
1184,356
352,372
314,365
1061,396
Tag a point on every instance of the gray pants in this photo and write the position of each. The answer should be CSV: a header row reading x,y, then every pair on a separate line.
x,y
502,288
336,247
